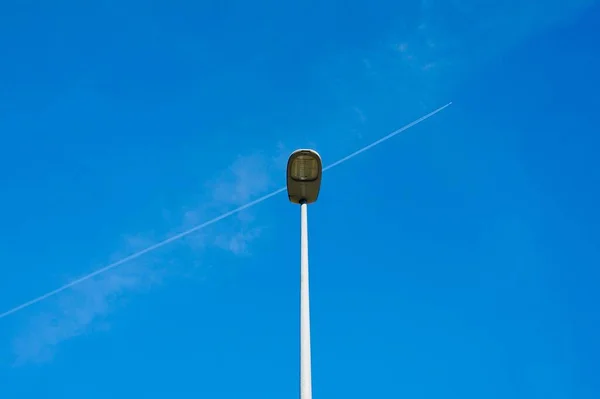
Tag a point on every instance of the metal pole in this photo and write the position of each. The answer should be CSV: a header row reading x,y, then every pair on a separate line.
x,y
305,364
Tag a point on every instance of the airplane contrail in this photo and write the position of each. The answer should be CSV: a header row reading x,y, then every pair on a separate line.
x,y
208,223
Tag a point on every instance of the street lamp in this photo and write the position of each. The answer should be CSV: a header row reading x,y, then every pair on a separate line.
x,y
304,171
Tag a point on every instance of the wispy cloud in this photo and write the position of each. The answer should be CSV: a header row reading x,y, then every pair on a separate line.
x,y
86,307
360,115
238,243
247,177
418,52
457,34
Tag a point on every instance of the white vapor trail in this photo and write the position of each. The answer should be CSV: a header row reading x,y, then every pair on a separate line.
x,y
208,223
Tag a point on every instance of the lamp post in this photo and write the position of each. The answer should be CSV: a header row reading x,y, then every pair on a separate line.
x,y
304,170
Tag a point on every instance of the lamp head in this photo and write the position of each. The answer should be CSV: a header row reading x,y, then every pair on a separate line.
x,y
304,171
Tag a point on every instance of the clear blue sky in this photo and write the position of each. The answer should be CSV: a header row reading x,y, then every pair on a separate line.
x,y
458,260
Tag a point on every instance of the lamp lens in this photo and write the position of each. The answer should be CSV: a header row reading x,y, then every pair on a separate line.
x,y
304,168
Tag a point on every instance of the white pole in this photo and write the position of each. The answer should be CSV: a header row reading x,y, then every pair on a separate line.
x,y
305,364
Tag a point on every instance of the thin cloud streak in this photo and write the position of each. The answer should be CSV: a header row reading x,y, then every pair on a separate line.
x,y
210,222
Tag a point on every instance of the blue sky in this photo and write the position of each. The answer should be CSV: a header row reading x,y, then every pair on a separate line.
x,y
455,260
